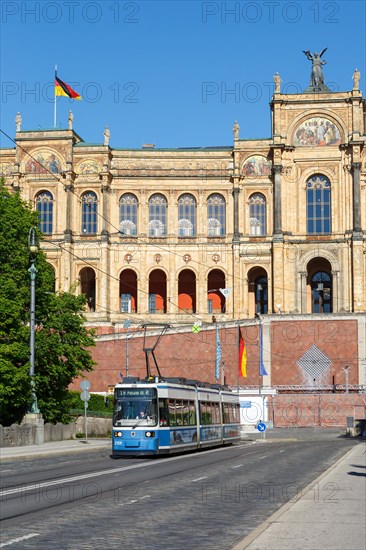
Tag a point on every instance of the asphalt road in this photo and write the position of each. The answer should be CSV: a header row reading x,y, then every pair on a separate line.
x,y
207,500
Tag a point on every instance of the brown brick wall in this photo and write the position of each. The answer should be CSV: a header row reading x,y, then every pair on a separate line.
x,y
325,410
193,355
336,339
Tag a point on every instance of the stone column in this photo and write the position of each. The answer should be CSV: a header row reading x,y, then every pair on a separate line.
x,y
105,195
303,277
277,216
68,231
356,180
236,192
335,290
103,279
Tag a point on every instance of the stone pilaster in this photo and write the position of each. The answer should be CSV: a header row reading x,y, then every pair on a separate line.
x,y
277,212
356,181
69,189
104,281
236,192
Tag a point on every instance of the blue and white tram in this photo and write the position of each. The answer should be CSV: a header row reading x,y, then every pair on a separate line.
x,y
164,416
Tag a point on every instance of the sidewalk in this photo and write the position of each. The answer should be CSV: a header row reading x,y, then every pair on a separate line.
x,y
54,447
329,515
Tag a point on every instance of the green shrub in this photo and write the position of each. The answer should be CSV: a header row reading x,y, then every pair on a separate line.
x,y
96,404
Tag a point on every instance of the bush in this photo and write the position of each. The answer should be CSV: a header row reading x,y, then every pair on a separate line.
x,y
97,403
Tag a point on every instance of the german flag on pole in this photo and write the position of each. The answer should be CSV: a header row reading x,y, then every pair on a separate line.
x,y
242,356
64,89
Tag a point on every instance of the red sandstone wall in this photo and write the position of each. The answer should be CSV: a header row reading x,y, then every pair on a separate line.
x,y
325,410
193,355
336,339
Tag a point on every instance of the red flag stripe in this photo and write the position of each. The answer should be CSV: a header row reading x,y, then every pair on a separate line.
x,y
64,89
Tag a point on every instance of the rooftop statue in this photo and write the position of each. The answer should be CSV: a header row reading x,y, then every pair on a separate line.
x,y
277,81
18,122
356,79
316,77
107,135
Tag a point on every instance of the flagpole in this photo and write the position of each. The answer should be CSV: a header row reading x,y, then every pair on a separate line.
x,y
238,366
261,366
55,103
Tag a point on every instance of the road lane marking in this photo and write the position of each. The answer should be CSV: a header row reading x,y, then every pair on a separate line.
x,y
237,466
19,539
37,486
261,457
198,479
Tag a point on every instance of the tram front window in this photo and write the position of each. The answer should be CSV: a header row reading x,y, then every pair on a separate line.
x,y
135,405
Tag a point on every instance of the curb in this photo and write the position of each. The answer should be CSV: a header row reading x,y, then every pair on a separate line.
x,y
42,453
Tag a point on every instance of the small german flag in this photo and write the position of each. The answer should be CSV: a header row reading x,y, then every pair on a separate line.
x,y
64,89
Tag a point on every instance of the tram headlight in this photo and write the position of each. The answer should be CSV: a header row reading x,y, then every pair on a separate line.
x,y
117,434
149,434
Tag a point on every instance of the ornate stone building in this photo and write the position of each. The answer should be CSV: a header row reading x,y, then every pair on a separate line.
x,y
272,225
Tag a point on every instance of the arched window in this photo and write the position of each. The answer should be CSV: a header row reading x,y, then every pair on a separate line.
x,y
187,291
318,205
186,216
128,291
157,215
261,295
88,283
257,215
157,291
45,209
321,292
89,225
128,214
216,216
216,301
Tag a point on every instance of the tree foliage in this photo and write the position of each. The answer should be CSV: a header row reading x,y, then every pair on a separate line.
x,y
61,338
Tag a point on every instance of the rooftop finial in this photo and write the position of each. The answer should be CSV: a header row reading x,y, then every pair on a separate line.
x,y
18,122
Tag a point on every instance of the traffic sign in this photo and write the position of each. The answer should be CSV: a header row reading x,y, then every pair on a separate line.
x,y
85,395
261,427
196,328
85,384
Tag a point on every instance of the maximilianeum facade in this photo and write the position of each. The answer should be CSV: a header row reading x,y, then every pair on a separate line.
x,y
272,225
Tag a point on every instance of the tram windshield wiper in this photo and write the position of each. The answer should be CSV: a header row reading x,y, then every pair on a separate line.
x,y
138,422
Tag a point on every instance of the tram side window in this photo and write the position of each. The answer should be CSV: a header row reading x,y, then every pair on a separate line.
x,y
215,413
192,414
185,405
226,413
172,418
179,412
231,413
206,412
163,412
236,412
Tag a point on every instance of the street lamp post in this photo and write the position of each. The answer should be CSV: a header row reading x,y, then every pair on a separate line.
x,y
127,337
33,249
127,325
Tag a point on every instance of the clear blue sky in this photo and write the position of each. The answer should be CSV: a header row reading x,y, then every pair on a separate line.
x,y
162,72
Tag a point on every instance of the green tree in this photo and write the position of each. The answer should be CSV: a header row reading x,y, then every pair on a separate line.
x,y
61,339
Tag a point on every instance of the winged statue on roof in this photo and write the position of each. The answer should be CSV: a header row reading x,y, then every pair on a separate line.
x,y
316,77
